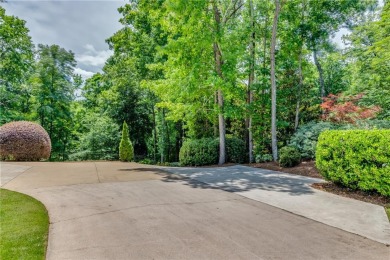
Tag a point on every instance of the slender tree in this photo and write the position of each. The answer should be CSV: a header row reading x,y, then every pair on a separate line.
x,y
274,141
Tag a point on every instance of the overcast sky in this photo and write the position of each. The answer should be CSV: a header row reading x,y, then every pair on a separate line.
x,y
79,26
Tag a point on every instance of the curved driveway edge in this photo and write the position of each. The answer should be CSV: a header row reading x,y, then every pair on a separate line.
x,y
294,194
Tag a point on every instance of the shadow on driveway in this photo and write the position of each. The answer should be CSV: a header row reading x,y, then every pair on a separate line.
x,y
239,179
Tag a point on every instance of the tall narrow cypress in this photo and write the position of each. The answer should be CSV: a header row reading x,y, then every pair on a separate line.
x,y
126,151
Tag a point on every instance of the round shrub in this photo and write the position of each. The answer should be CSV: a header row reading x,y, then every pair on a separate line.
x,y
24,141
199,152
235,150
357,159
289,156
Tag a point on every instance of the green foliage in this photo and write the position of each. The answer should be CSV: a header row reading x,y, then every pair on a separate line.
x,y
235,150
204,151
289,156
126,152
24,226
370,49
358,159
305,138
99,140
260,158
16,63
54,86
199,152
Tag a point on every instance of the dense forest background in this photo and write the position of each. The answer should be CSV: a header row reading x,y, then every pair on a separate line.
x,y
256,70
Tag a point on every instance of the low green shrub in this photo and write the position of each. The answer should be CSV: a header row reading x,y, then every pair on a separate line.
x,y
199,152
260,158
358,159
235,150
305,138
146,161
289,156
205,151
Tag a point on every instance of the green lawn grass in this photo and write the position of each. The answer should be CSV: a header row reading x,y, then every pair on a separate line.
x,y
24,226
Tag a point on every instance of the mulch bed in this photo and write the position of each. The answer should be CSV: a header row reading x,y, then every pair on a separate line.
x,y
307,168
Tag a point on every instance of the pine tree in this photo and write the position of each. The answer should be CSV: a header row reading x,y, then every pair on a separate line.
x,y
126,152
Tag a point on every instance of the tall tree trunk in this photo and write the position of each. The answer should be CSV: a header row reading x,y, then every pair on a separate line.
x,y
263,92
274,141
218,68
168,138
250,81
162,148
300,85
155,135
320,72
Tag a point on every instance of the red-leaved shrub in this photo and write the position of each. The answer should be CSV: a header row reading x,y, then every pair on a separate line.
x,y
345,110
24,141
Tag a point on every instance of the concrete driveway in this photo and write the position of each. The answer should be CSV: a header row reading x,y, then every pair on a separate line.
x,y
113,210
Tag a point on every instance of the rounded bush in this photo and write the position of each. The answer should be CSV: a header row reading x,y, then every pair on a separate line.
x,y
235,150
24,141
199,152
289,156
357,159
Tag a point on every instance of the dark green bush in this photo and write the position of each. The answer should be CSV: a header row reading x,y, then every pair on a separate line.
x,y
305,138
205,151
260,158
289,156
358,159
235,150
199,152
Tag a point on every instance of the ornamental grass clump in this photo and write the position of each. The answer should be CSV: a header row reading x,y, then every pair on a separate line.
x,y
126,151
24,141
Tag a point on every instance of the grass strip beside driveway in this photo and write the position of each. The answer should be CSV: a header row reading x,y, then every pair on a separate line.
x,y
24,226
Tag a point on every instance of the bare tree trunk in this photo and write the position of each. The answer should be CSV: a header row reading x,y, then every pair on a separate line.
x,y
274,142
320,72
155,136
250,81
168,158
162,149
300,85
218,68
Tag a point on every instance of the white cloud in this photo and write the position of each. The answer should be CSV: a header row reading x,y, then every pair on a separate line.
x,y
92,57
84,73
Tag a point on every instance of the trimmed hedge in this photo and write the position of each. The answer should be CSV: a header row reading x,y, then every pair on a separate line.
x,y
289,156
199,152
205,151
235,150
358,159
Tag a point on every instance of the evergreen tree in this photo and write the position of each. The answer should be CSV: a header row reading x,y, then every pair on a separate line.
x,y
126,152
